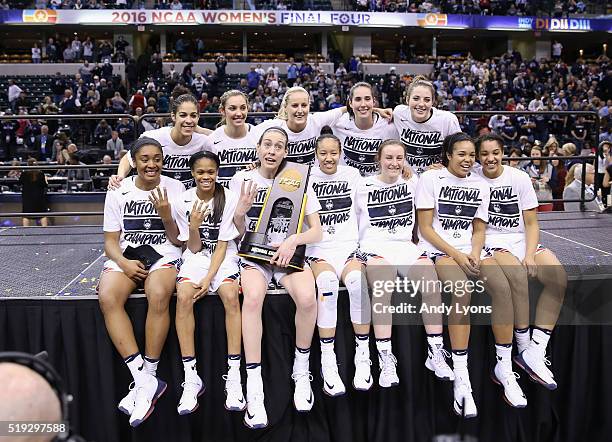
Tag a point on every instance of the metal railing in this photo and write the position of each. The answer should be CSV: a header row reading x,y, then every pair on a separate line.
x,y
135,119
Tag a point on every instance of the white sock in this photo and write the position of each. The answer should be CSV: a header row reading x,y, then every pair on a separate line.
x,y
254,382
384,346
189,366
539,339
150,365
522,338
460,361
327,345
504,355
362,342
137,369
435,342
301,361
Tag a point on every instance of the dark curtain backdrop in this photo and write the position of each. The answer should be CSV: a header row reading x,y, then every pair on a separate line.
x,y
74,335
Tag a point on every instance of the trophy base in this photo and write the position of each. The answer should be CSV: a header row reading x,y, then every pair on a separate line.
x,y
251,247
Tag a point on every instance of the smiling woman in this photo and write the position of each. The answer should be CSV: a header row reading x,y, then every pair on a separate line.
x,y
253,186
179,142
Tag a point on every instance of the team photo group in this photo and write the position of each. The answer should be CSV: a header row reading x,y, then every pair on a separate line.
x,y
391,193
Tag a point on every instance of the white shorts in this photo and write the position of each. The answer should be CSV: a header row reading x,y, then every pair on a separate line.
x,y
267,270
396,253
484,254
195,267
164,262
337,258
497,243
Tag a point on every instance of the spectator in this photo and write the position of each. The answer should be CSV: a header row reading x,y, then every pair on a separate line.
x,y
253,79
34,197
36,54
119,104
13,93
107,69
541,173
199,84
115,144
221,64
74,174
604,160
120,47
292,72
557,190
77,48
176,5
574,190
88,50
156,68
203,103
137,100
125,127
557,48
68,55
85,72
569,150
51,50
102,133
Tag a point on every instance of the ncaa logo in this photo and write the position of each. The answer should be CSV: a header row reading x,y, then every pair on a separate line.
x,y
147,224
456,235
331,230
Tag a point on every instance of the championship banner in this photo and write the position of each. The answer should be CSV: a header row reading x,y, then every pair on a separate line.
x,y
300,18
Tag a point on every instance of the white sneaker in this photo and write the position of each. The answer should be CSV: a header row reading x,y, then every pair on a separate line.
x,y
505,377
256,416
332,383
463,404
388,370
147,395
193,388
303,399
436,362
234,397
534,362
363,376
126,404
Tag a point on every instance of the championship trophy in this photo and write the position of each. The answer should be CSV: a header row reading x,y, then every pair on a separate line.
x,y
281,216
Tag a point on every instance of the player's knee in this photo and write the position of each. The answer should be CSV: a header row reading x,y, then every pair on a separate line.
x,y
252,301
109,302
358,298
158,300
184,297
230,299
327,299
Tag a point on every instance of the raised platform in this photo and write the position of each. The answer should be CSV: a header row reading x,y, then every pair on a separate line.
x,y
48,302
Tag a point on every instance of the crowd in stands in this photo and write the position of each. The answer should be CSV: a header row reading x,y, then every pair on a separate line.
x,y
556,9
505,83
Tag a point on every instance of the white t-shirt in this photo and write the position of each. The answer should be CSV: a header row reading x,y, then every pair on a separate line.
x,y
234,153
302,144
511,193
210,232
423,141
129,211
456,202
277,226
359,146
176,158
385,211
336,195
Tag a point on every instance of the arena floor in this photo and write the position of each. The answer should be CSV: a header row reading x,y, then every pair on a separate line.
x,y
65,261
